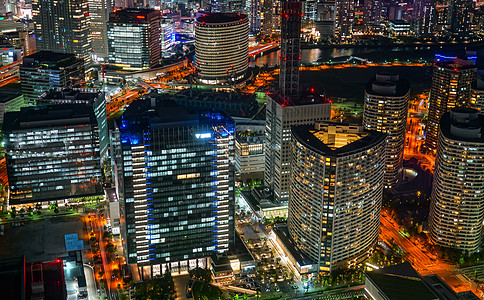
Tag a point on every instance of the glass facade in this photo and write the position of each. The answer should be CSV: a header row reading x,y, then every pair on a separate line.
x,y
63,26
175,174
336,192
134,38
47,70
52,153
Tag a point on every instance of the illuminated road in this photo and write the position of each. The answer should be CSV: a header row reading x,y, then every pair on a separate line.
x,y
425,263
414,138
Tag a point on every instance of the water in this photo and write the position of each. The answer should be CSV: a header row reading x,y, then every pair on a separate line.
x,y
376,54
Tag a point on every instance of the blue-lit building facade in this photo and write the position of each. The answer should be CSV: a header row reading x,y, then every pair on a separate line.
x,y
52,153
174,173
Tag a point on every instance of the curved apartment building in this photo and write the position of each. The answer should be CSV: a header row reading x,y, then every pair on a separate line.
x,y
385,110
457,204
222,47
336,192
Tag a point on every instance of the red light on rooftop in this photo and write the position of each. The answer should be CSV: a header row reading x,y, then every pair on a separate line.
x,y
286,16
312,90
140,17
86,15
5,49
455,69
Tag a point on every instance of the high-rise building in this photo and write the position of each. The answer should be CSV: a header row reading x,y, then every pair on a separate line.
x,y
288,107
93,99
476,100
63,27
222,47
344,18
385,110
52,153
174,173
99,12
167,36
256,16
424,18
457,206
336,192
290,59
46,70
134,38
451,87
372,12
460,16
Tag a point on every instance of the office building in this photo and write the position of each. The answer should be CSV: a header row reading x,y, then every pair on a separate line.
x,y
256,16
344,18
249,155
459,16
92,98
174,174
336,192
52,153
457,206
167,28
280,117
99,12
385,110
372,12
451,87
46,70
63,26
222,47
134,38
288,107
424,18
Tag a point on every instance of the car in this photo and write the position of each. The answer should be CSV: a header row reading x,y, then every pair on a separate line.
x,y
294,287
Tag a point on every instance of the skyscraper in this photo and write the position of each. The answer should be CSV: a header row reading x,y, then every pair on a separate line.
x,y
46,70
93,99
222,47
372,12
99,12
63,26
460,16
134,38
290,48
174,173
424,18
344,18
385,110
288,107
52,153
457,205
336,192
451,87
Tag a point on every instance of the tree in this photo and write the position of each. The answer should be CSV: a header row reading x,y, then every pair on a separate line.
x,y
13,212
110,248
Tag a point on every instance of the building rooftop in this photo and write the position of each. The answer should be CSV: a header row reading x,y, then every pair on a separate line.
x,y
354,139
220,18
283,234
48,59
160,113
68,95
387,84
307,97
48,116
402,281
132,15
232,104
10,92
463,124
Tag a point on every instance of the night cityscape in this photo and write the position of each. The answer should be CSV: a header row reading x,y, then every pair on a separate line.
x,y
230,149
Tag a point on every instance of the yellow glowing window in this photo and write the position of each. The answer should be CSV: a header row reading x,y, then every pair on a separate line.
x,y
188,176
